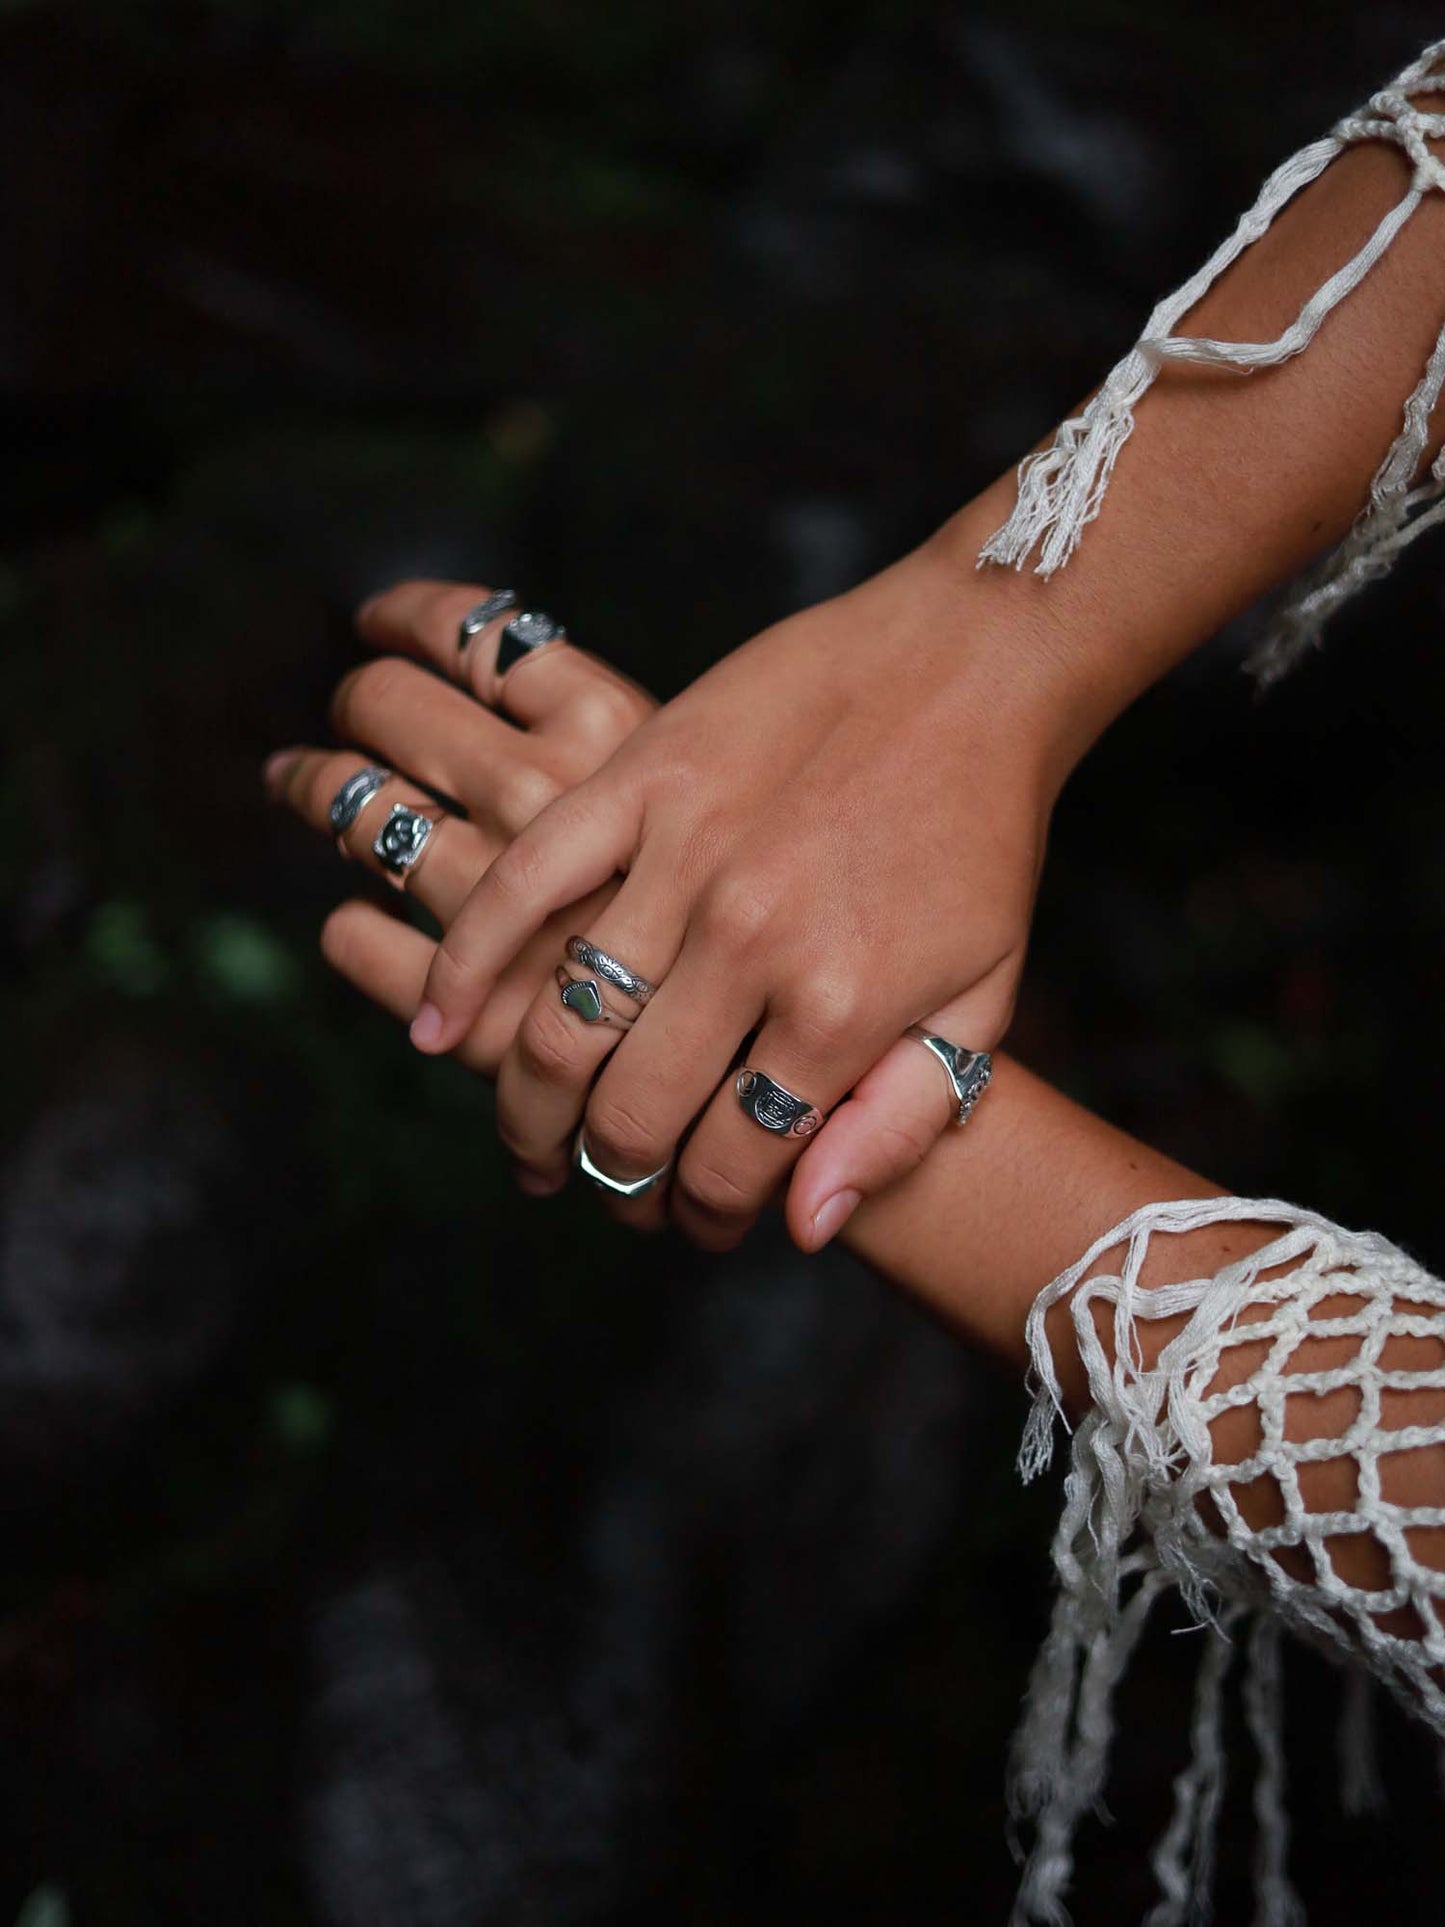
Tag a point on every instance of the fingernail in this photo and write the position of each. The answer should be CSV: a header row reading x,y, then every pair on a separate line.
x,y
276,766
426,1027
831,1216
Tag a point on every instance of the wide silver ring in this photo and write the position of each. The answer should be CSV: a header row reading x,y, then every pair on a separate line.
x,y
968,1071
528,632
611,969
616,1185
583,997
402,841
354,795
776,1109
487,610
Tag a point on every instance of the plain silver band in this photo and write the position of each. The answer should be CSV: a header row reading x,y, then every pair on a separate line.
x,y
498,603
772,1107
615,1185
968,1071
611,969
603,1012
352,798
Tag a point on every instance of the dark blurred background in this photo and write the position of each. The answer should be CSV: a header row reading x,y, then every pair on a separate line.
x,y
380,1547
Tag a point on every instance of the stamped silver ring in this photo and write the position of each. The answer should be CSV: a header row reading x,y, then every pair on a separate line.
x,y
354,795
777,1110
583,996
526,634
618,1186
611,969
487,610
968,1071
402,841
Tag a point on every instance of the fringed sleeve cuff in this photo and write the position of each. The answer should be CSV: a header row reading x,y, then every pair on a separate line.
x,y
1151,1505
1061,488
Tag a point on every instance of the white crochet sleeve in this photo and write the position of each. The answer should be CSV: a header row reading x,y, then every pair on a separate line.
x,y
1328,1348
1061,488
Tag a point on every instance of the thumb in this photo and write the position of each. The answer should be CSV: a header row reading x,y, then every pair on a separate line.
x,y
892,1119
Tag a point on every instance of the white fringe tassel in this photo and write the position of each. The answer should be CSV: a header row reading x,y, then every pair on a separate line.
x,y
1061,488
1131,1529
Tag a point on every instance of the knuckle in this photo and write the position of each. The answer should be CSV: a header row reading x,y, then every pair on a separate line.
x,y
621,1140
714,1191
739,911
450,979
370,692
516,874
827,1017
523,793
546,1047
607,711
901,1143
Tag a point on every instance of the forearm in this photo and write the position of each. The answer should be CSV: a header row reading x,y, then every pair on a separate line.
x,y
1000,1208
1230,484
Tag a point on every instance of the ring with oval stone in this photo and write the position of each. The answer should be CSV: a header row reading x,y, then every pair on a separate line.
x,y
583,997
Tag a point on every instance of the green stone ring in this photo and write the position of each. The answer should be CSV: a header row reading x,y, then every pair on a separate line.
x,y
584,996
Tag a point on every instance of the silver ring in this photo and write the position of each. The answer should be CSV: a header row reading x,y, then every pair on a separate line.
x,y
525,635
777,1110
583,997
401,842
487,610
600,1177
968,1071
611,969
354,795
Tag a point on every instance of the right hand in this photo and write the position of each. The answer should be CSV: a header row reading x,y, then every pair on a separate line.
x,y
835,833
568,711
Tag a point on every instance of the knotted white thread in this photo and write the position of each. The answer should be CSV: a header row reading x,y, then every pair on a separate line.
x,y
1061,488
1132,1526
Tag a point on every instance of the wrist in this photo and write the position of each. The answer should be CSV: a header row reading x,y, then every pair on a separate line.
x,y
1079,646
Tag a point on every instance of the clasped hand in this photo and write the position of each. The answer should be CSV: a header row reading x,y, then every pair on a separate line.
x,y
833,834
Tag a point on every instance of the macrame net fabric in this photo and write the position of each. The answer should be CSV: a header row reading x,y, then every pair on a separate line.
x,y
1320,1359
1061,488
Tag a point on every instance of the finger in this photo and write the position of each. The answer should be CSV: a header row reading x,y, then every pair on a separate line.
x,y
893,1118
415,722
653,1089
556,688
455,854
732,1166
572,848
544,1080
386,960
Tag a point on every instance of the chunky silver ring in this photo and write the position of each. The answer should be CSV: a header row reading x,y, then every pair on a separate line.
x,y
777,1110
611,969
487,610
600,1177
583,996
402,841
354,795
968,1071
525,635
